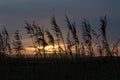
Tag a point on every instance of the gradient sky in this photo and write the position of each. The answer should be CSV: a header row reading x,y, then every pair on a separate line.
x,y
14,12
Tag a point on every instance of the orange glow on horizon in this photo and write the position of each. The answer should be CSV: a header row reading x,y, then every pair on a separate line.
x,y
48,49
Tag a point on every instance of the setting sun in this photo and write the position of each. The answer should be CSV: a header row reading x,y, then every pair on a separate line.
x,y
48,49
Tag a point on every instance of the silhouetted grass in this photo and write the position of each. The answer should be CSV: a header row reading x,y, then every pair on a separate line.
x,y
87,37
58,65
71,43
58,34
72,29
105,44
17,44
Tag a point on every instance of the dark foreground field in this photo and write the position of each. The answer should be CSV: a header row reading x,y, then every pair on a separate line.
x,y
60,69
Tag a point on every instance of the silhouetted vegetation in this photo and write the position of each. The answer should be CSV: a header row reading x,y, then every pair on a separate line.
x,y
17,44
87,37
105,44
75,41
37,35
68,45
69,57
59,35
5,45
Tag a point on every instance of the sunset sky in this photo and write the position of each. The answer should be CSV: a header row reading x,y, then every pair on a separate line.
x,y
13,13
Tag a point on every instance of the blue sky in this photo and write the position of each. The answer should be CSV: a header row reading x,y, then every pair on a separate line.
x,y
14,12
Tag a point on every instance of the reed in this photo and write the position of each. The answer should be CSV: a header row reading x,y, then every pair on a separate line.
x,y
37,34
17,44
42,38
87,37
58,34
51,42
6,41
105,43
69,44
72,28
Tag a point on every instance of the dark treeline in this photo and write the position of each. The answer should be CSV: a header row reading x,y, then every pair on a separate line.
x,y
69,46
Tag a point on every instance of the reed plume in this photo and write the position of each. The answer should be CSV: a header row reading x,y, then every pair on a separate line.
x,y
58,34
6,41
87,37
37,35
72,29
51,41
105,44
17,44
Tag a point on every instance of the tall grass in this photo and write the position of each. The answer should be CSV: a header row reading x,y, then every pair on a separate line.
x,y
37,34
97,43
6,41
58,34
105,43
17,44
42,38
51,41
72,29
69,44
87,37
30,31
